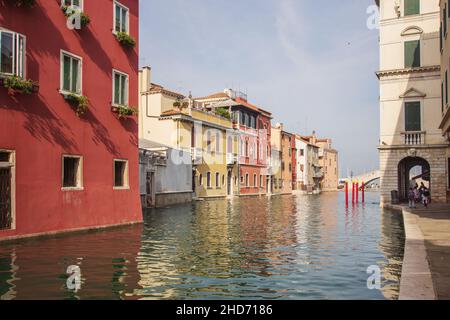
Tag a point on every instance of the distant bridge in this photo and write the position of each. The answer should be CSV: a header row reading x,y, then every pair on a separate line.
x,y
367,178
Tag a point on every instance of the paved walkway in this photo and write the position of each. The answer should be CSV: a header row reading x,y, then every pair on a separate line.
x,y
426,267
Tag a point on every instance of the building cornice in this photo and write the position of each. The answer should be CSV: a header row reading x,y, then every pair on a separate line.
x,y
417,147
397,72
445,119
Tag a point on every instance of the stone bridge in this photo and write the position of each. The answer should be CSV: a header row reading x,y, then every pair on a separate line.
x,y
367,177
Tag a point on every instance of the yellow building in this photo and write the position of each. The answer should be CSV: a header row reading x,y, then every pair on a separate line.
x,y
178,122
214,154
276,160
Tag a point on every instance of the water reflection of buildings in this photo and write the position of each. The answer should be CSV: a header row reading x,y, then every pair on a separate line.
x,y
37,269
192,246
267,234
392,245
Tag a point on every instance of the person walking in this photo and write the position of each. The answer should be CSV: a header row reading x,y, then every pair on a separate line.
x,y
416,195
426,197
411,199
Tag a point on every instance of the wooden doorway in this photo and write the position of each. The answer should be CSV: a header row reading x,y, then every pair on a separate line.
x,y
5,198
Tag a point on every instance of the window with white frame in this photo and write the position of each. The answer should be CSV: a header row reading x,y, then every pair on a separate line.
x,y
120,88
12,53
71,73
72,3
121,18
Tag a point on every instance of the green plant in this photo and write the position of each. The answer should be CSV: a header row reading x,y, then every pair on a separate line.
x,y
68,12
125,111
223,112
16,84
81,103
125,39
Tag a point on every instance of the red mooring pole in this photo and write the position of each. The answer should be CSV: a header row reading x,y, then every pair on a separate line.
x,y
363,190
346,194
353,192
357,192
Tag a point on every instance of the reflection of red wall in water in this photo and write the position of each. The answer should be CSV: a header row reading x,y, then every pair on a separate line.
x,y
107,261
265,230
41,127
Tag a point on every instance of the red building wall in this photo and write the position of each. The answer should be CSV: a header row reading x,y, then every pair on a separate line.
x,y
256,165
41,127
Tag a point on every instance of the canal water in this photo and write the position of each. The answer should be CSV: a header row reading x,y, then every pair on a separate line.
x,y
289,247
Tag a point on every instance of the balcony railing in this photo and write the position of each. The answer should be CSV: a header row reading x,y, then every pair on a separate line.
x,y
414,137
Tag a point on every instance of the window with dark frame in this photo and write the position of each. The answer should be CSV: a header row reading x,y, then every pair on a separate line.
x,y
412,7
412,54
120,173
208,180
412,116
4,156
71,172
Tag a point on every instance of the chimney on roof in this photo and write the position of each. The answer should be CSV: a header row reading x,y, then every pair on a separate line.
x,y
279,126
145,79
229,92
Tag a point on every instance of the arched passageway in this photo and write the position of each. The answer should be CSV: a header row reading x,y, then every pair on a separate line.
x,y
412,171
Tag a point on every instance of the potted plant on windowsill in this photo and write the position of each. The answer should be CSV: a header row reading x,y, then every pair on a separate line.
x,y
125,40
69,12
79,102
124,111
17,85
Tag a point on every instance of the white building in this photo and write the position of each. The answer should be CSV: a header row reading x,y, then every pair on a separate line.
x,y
410,98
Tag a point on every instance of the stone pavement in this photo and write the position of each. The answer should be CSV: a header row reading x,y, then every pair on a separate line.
x,y
426,267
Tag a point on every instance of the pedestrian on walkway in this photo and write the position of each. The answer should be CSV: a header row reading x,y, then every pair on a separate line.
x,y
426,197
411,198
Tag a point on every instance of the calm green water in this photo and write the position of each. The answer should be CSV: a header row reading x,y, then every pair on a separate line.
x,y
290,247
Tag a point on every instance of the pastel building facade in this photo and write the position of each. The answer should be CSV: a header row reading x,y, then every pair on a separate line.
x,y
252,129
164,147
329,161
445,69
308,168
68,161
412,147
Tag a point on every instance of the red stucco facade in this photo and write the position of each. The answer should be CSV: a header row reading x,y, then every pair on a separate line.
x,y
255,150
42,127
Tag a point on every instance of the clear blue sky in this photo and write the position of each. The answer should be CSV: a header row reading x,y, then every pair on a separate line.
x,y
311,63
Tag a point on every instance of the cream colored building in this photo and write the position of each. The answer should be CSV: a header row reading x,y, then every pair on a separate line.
x,y
410,98
329,161
309,170
445,69
176,121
